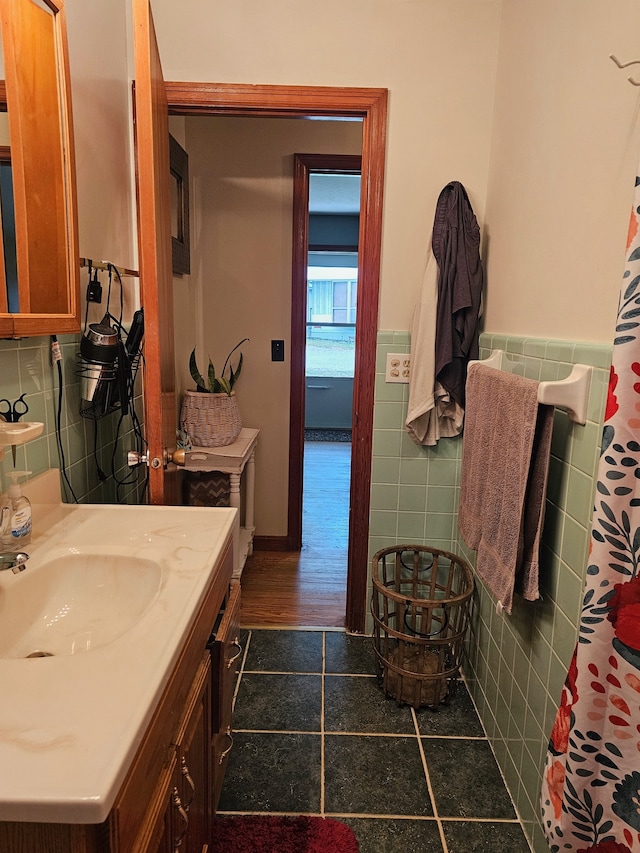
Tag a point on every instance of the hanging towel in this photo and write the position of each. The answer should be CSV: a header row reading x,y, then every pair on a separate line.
x,y
505,463
431,414
423,329
444,329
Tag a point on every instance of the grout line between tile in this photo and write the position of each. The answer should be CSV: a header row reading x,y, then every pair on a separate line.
x,y
511,821
383,816
280,731
453,737
325,733
288,672
425,767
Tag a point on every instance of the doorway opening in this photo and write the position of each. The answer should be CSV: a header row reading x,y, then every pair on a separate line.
x,y
331,296
369,105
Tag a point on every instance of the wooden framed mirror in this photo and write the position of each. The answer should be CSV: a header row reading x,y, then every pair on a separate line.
x,y
37,100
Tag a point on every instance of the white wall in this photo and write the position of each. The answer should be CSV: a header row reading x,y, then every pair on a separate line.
x,y
187,302
241,177
437,58
101,94
549,174
561,146
564,152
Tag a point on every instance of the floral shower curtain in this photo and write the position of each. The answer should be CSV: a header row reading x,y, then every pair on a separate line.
x,y
591,786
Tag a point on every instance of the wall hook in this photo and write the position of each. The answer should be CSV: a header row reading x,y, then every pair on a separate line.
x,y
626,65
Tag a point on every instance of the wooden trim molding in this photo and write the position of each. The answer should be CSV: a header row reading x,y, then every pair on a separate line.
x,y
297,383
264,100
272,543
369,104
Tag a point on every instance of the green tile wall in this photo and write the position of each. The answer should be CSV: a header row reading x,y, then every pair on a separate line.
x,y
515,665
413,489
25,367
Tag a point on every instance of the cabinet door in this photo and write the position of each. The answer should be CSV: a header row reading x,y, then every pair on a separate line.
x,y
225,656
194,775
190,795
178,815
154,833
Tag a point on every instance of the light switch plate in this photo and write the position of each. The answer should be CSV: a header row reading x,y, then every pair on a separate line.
x,y
277,350
398,367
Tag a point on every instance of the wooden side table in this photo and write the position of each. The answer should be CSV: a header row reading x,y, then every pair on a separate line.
x,y
234,460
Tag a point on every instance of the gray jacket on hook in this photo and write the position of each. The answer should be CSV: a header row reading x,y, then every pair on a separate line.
x,y
456,246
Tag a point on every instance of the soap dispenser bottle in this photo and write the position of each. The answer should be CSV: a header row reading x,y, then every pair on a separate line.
x,y
5,521
17,532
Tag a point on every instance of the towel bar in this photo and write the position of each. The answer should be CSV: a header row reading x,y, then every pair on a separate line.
x,y
571,393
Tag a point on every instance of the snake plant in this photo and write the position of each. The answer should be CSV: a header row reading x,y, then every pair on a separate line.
x,y
216,384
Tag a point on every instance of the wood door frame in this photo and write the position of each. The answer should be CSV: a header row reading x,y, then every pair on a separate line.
x,y
151,145
370,105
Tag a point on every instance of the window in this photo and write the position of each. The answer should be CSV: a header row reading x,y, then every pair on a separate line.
x,y
331,319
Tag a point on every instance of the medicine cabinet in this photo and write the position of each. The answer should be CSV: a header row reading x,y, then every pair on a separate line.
x,y
39,266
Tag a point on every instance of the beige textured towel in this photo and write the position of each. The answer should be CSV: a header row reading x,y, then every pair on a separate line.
x,y
431,413
505,464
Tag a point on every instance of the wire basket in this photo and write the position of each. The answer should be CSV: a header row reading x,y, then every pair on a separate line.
x,y
421,604
98,389
102,387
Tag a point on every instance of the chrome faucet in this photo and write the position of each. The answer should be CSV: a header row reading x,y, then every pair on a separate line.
x,y
14,561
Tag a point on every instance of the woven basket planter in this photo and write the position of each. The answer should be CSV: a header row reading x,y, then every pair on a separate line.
x,y
210,420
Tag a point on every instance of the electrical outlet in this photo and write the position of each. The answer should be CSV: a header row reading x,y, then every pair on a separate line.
x,y
398,367
94,291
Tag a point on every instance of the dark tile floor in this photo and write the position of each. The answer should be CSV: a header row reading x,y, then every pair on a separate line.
x,y
315,735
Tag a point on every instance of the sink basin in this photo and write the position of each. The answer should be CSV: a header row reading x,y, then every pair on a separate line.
x,y
112,591
74,603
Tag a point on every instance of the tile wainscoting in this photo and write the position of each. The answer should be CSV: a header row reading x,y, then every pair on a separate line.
x,y
516,665
26,368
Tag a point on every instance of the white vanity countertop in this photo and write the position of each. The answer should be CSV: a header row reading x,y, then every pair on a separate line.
x,y
70,725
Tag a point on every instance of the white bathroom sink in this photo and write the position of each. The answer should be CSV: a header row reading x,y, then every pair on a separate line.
x,y
111,593
74,603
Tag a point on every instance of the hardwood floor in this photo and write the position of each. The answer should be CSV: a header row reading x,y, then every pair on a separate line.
x,y
307,588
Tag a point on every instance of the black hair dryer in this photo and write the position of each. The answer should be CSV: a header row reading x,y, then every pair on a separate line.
x,y
99,351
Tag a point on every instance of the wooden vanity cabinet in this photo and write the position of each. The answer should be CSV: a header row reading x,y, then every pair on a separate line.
x,y
176,752
168,798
